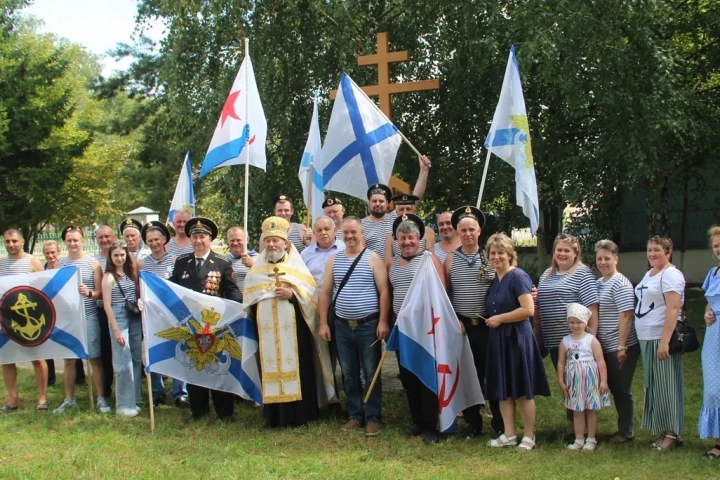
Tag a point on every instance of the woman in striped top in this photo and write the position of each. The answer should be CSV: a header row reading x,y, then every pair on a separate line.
x,y
566,281
616,333
90,288
660,297
421,400
125,327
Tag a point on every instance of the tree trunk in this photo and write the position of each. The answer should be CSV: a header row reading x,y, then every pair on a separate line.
x,y
683,219
657,211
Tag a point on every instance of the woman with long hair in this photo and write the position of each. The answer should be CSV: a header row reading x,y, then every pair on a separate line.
x,y
119,285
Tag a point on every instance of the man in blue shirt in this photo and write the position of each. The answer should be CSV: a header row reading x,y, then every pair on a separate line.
x,y
317,253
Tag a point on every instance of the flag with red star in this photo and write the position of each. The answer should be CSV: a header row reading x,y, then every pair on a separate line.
x,y
432,346
242,125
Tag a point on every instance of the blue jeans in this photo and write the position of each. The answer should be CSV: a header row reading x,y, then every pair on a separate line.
x,y
127,359
355,351
158,387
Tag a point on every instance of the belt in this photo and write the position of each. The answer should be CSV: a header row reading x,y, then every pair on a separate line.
x,y
474,321
361,321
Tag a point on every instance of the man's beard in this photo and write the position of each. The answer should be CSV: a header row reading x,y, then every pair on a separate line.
x,y
378,214
275,256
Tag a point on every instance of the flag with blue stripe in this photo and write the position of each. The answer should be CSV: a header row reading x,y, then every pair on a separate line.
x,y
184,196
42,316
431,345
311,156
510,139
360,145
200,339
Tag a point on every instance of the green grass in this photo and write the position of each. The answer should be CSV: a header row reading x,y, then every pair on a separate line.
x,y
84,445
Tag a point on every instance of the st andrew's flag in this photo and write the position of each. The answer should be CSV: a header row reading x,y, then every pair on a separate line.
x,y
42,316
432,347
200,339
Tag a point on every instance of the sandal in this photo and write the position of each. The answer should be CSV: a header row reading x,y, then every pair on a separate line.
x,y
712,455
527,444
502,441
577,445
7,408
659,440
590,444
675,441
42,407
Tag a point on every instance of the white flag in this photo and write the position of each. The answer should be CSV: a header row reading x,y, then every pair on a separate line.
x,y
184,196
242,122
361,143
432,346
311,156
510,138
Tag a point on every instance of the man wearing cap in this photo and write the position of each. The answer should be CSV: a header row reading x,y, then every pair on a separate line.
x,y
192,271
469,275
156,235
378,225
294,361
104,237
298,234
405,204
449,240
242,260
130,230
180,244
333,208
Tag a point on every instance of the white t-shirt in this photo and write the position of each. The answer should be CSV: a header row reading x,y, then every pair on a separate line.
x,y
650,308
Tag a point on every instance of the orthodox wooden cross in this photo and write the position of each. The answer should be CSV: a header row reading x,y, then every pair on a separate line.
x,y
277,274
383,58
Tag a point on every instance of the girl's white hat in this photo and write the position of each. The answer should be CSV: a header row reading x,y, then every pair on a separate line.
x,y
581,312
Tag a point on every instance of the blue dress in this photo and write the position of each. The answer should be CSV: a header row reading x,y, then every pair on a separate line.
x,y
709,423
514,367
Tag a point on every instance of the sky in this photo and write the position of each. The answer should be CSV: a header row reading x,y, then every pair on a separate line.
x,y
98,25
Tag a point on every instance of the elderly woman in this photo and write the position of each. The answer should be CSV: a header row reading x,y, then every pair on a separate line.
x,y
660,297
514,370
617,336
709,423
423,403
566,281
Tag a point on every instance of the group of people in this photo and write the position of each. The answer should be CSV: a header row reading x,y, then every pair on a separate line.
x,y
329,295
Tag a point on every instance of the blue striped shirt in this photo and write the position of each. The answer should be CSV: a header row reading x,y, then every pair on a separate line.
x,y
359,297
87,277
161,267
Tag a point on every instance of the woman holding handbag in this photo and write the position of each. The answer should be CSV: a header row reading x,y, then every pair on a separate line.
x,y
119,286
660,297
709,423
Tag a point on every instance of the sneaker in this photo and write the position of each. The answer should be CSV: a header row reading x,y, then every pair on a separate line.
x,y
372,429
350,425
103,406
127,412
66,404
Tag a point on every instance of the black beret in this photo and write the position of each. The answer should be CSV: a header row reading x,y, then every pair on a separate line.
x,y
155,225
68,229
405,199
467,212
201,225
331,201
380,189
130,223
409,217
282,198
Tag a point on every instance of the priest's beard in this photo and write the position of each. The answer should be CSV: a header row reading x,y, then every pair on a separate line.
x,y
275,256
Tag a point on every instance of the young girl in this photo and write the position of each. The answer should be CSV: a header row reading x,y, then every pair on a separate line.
x,y
582,376
119,285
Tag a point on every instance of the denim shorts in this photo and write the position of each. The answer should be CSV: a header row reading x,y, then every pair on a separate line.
x,y
92,326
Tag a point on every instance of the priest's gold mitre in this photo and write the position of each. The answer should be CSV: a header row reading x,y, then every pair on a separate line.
x,y
275,227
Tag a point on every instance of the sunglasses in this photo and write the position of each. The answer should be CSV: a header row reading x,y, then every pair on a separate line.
x,y
567,236
118,245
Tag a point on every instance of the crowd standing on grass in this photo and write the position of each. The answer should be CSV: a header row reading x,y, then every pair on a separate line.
x,y
345,284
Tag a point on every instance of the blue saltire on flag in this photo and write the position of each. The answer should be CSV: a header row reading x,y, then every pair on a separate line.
x,y
200,339
311,155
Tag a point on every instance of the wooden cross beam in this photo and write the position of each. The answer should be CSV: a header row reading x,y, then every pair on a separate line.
x,y
383,58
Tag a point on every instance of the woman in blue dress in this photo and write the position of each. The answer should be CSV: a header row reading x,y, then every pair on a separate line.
x,y
515,370
709,423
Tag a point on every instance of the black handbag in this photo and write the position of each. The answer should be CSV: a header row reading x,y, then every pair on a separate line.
x,y
684,339
130,305
331,310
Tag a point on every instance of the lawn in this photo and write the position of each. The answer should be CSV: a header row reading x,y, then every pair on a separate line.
x,y
85,445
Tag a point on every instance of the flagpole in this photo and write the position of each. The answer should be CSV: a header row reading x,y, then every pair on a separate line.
x,y
247,139
484,176
375,377
90,385
308,221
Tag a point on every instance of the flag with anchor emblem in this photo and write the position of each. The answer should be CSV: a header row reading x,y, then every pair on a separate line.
x,y
42,316
200,339
431,345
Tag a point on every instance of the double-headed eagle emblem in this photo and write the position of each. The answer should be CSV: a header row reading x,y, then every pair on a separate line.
x,y
204,343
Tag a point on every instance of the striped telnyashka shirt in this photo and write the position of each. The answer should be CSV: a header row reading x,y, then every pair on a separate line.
x,y
128,287
176,251
359,297
87,277
160,267
401,276
15,266
616,295
375,233
470,278
295,236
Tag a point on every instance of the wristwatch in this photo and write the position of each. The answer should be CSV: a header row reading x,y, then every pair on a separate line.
x,y
622,347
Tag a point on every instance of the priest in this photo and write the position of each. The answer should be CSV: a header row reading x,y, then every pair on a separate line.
x,y
294,360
